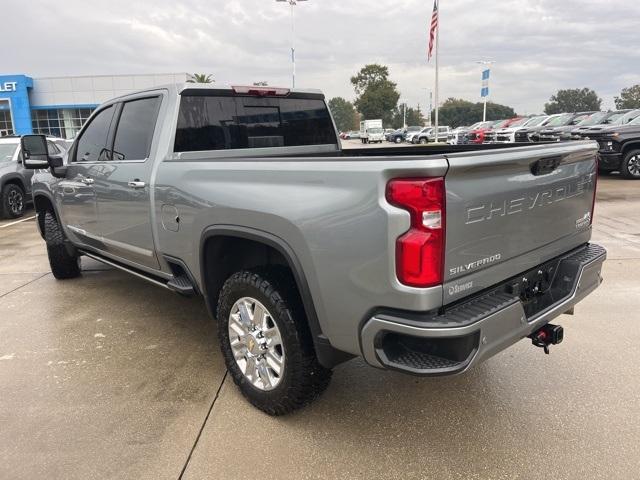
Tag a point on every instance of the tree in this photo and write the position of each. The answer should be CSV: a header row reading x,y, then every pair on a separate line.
x,y
456,112
573,100
414,117
629,98
377,96
344,114
200,78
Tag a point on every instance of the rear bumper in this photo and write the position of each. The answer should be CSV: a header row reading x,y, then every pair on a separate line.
x,y
475,329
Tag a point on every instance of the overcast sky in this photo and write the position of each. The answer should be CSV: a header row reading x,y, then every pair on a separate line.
x,y
539,45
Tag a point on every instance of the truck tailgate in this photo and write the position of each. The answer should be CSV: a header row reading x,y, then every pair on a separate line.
x,y
510,210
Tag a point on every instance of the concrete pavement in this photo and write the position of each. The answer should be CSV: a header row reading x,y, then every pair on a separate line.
x,y
106,376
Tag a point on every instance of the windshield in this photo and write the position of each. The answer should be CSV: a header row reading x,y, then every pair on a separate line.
x,y
519,123
635,121
414,129
6,151
579,119
535,121
627,117
560,120
375,130
612,118
595,119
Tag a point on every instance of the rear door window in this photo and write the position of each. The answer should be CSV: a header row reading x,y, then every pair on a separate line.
x,y
135,128
226,122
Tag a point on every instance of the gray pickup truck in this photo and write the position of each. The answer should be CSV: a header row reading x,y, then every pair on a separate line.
x,y
424,260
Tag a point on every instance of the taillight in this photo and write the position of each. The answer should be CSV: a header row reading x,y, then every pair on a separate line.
x,y
420,250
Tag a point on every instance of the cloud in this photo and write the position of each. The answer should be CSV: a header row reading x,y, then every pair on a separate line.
x,y
539,46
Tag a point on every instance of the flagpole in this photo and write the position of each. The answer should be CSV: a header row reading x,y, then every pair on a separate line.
x,y
436,86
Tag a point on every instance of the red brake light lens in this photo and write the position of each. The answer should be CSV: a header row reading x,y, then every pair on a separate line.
x,y
420,250
261,91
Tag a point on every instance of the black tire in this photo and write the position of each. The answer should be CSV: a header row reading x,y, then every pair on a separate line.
x,y
398,139
63,264
12,201
630,167
423,141
303,379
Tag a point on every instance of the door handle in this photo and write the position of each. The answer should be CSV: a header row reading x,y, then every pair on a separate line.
x,y
136,184
87,181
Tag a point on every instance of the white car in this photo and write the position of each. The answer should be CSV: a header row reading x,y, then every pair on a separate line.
x,y
508,135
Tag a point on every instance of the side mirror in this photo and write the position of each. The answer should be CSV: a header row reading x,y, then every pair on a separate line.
x,y
35,153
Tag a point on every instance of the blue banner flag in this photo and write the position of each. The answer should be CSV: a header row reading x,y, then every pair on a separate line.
x,y
485,74
484,92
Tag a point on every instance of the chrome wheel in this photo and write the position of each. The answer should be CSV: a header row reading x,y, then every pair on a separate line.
x,y
16,202
256,343
633,165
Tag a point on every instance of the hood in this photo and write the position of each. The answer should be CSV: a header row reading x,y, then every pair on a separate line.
x,y
510,129
535,129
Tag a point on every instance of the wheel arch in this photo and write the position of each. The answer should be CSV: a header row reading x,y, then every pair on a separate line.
x,y
13,179
213,242
629,146
43,203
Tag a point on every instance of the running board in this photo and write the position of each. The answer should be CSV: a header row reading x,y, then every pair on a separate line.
x,y
180,284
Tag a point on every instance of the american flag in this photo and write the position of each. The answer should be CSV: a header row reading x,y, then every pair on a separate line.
x,y
432,30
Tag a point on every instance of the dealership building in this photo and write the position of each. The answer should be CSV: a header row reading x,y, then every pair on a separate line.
x,y
59,106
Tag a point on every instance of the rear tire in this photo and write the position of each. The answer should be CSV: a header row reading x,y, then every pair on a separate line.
x,y
630,167
12,201
249,354
398,140
423,141
63,264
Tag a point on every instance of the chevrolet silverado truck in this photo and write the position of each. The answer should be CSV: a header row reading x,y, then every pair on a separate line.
x,y
424,260
619,149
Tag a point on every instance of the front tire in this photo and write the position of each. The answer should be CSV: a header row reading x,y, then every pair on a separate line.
x,y
630,167
63,264
12,201
423,141
398,140
266,342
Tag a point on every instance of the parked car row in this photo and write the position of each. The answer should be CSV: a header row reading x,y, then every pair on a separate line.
x,y
617,132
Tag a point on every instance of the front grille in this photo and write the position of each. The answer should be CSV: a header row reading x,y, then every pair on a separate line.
x,y
522,137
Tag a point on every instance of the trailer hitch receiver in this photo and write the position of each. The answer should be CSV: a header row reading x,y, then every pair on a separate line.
x,y
547,335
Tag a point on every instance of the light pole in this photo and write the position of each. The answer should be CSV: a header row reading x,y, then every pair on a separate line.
x,y
293,3
430,103
485,95
404,115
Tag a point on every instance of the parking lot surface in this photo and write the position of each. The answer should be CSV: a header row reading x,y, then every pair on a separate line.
x,y
106,376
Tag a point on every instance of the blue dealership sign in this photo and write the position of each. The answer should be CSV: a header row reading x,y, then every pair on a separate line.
x,y
15,90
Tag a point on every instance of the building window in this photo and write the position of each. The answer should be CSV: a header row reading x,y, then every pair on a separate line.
x,y
62,123
6,125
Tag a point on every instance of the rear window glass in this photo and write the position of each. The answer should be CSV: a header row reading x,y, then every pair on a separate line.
x,y
221,123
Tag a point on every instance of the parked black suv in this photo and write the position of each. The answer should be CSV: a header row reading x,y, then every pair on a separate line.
x,y
619,149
